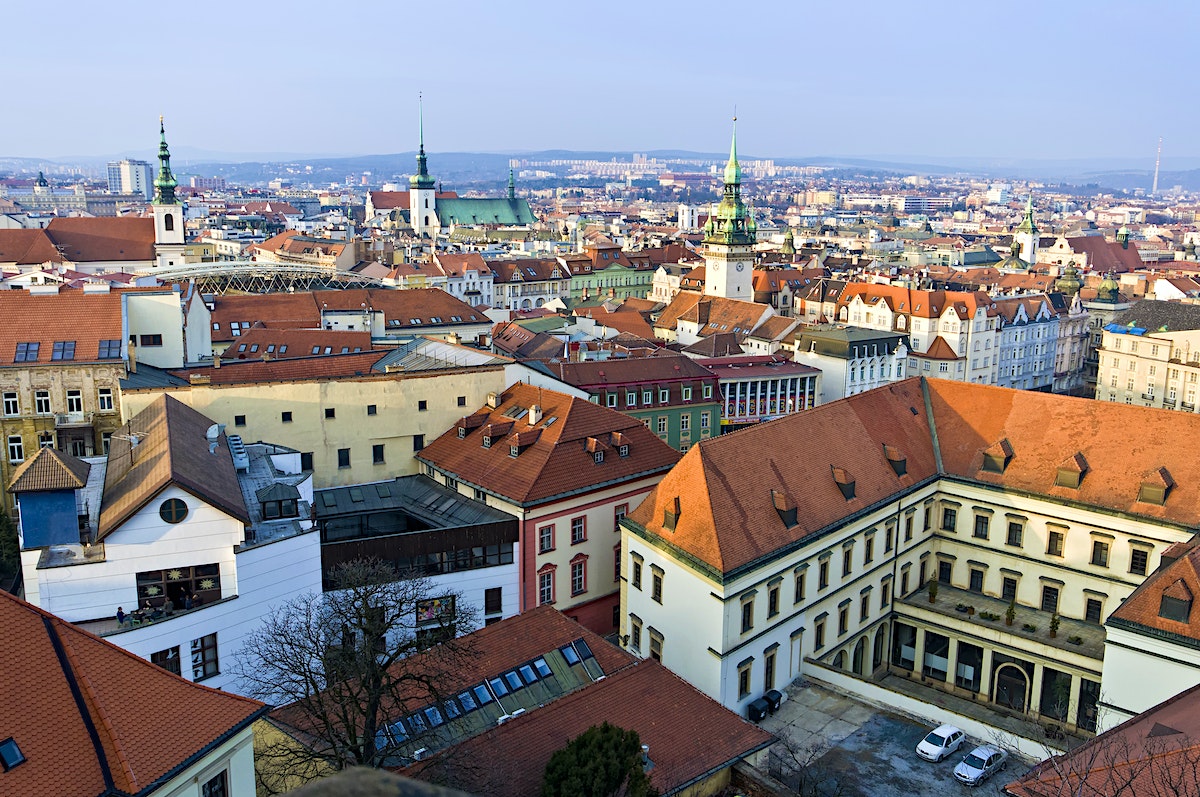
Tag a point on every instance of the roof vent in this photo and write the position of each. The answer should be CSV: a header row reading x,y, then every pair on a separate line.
x,y
241,457
420,753
1156,486
785,506
897,460
1070,473
671,514
844,481
493,400
997,456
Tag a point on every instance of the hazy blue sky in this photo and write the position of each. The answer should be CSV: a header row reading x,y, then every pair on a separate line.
x,y
991,78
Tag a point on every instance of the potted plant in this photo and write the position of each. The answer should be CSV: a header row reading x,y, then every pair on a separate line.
x,y
1011,612
932,586
970,611
1029,628
1054,622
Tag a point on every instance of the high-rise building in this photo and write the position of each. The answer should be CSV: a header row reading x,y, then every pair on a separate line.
x,y
130,177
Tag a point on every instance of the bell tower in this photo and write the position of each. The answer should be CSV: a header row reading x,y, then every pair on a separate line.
x,y
422,196
1026,234
729,238
168,210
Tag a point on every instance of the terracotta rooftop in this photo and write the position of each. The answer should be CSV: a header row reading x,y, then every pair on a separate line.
x,y
558,463
1143,610
88,716
49,470
598,374
171,449
288,369
261,342
46,319
84,240
727,519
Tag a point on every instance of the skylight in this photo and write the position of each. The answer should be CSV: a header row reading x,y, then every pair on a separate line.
x,y
10,754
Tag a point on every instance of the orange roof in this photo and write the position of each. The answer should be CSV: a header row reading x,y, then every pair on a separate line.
x,y
1179,579
263,343
27,247
938,350
727,519
289,369
558,463
923,304
458,265
275,310
88,716
683,302
68,316
83,240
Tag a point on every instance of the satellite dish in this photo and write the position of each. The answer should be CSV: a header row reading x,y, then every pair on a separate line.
x,y
214,432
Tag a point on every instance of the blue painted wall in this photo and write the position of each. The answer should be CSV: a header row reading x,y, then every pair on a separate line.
x,y
49,518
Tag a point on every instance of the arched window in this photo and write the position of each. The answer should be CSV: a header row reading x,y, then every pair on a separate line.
x,y
426,221
169,222
427,204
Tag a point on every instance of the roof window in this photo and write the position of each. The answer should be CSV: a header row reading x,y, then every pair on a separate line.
x,y
63,350
1176,603
671,514
785,506
896,459
27,352
844,481
10,754
997,456
1156,486
1070,473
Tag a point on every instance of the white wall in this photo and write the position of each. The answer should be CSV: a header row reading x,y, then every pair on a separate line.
x,y
1140,672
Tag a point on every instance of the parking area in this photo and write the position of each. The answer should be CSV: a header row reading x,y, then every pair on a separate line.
x,y
835,745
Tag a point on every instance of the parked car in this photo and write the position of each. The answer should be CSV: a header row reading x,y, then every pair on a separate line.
x,y
940,742
980,764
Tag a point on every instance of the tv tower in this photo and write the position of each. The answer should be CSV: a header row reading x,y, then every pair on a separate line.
x,y
1157,160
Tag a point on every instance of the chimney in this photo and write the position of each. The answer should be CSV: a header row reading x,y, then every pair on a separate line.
x,y
535,414
493,400
132,357
216,361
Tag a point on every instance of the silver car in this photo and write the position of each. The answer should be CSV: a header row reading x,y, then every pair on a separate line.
x,y
980,764
940,742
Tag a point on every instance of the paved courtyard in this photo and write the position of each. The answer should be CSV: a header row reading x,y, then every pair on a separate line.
x,y
857,749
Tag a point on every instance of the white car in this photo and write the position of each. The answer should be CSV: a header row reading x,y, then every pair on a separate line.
x,y
980,764
940,742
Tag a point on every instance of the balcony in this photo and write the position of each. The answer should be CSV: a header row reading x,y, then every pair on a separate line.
x,y
68,420
69,555
1147,397
1186,407
1169,403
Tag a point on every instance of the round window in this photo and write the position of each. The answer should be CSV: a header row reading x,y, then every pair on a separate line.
x,y
173,510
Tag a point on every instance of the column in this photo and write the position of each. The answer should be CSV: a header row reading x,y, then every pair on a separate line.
x,y
1035,690
1073,702
919,654
952,663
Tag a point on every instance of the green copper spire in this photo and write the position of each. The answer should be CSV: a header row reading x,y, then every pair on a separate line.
x,y
165,184
733,222
1027,224
421,179
512,186
789,243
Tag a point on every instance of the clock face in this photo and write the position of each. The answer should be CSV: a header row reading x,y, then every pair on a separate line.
x,y
741,266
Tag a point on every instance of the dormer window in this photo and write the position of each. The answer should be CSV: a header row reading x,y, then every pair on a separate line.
x,y
996,457
514,451
671,514
462,432
598,457
624,450
487,441
1070,473
274,510
1156,486
1176,603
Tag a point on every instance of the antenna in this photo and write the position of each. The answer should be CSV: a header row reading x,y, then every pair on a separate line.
x,y
1157,160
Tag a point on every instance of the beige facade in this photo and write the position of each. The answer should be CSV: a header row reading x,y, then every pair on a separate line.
x,y
1155,369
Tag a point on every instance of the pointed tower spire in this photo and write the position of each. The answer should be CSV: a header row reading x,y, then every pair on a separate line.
x,y
512,186
165,184
1027,224
733,171
421,179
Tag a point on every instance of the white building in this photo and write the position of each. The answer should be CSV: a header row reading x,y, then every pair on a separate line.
x,y
1028,342
851,359
1150,356
130,177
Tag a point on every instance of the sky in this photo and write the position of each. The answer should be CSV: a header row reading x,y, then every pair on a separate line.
x,y
992,79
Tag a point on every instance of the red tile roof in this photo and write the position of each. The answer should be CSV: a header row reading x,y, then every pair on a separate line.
x,y
558,463
275,310
88,716
27,247
83,240
280,344
47,318
1179,579
299,369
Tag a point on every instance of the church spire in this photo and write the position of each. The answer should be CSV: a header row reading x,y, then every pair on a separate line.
x,y
165,184
512,186
733,220
1027,224
733,171
421,179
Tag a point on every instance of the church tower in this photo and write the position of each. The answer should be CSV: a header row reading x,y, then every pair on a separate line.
x,y
168,210
729,239
422,197
1026,235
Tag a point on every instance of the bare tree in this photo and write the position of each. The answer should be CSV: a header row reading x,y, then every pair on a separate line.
x,y
801,768
345,664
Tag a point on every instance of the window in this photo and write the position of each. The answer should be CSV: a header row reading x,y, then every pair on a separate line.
x,y
372,409
981,526
823,574
656,584
1016,533
687,394
1049,598
847,555
1179,608
285,417
843,620
630,399
377,454
173,510
945,572
167,659
744,671
578,530
664,395
819,635
343,456
109,350
707,391
611,399
462,401
1100,553
949,518
799,593
1093,610
864,607
1008,588
868,551
330,413
1139,558
11,405
74,401
619,512
16,449
635,576
578,577
885,592
747,615
1054,543
546,587
422,406
598,457
546,538
150,340
239,420
418,442
216,786
662,425
975,580
27,352
63,350
104,399
685,423
772,600
769,669
656,645
204,657
704,420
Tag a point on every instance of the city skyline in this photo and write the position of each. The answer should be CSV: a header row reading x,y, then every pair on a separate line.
x,y
897,86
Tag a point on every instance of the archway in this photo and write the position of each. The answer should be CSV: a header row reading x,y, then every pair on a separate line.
x,y
1011,687
860,655
880,646
839,661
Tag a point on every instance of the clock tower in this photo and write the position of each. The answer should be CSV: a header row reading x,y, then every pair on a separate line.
x,y
422,196
729,238
168,210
